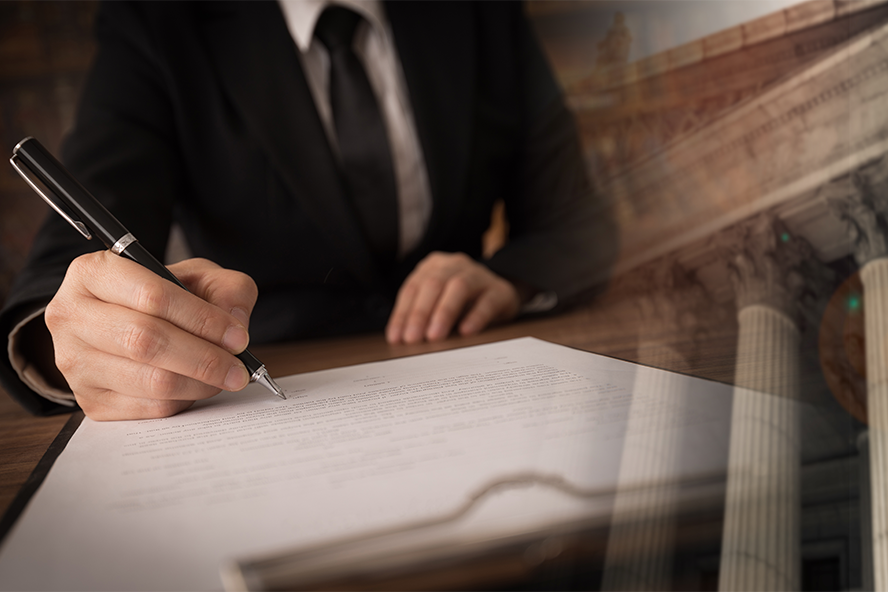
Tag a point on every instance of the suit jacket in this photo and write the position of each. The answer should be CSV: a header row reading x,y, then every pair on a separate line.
x,y
200,114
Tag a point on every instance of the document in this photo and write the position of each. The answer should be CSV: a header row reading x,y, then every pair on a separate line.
x,y
166,504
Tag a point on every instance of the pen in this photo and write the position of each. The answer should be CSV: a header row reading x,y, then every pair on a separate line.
x,y
83,211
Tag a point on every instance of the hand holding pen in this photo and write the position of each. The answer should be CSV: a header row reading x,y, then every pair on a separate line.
x,y
130,341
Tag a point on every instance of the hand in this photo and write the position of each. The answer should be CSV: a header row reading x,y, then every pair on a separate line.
x,y
133,345
446,288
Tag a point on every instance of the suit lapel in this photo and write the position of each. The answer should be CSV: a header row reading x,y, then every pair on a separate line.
x,y
258,64
436,45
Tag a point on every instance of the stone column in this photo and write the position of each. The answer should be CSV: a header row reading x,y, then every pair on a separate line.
x,y
860,201
641,541
874,276
866,517
761,536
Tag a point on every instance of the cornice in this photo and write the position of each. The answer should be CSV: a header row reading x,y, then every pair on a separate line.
x,y
797,111
749,34
754,107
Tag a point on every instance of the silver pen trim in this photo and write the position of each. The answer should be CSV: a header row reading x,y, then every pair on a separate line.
x,y
123,242
19,145
261,376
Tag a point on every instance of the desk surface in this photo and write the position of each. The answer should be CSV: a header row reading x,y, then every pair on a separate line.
x,y
24,439
613,329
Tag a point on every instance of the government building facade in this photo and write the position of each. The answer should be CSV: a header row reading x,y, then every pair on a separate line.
x,y
748,172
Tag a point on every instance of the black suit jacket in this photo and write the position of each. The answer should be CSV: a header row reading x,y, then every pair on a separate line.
x,y
200,114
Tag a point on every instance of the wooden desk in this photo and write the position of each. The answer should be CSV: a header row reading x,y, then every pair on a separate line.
x,y
606,329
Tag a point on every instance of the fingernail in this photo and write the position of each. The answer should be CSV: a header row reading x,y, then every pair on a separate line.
x,y
237,378
436,331
235,339
241,315
411,335
469,328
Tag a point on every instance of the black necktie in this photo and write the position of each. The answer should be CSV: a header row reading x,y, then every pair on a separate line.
x,y
360,131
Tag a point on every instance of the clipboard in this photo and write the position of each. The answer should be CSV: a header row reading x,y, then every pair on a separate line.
x,y
435,555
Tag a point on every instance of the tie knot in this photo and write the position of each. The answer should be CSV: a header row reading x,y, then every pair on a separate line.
x,y
336,27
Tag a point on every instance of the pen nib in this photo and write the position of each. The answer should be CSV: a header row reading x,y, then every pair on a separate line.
x,y
277,390
265,380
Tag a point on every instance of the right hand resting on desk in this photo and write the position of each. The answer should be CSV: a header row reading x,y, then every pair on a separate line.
x,y
133,345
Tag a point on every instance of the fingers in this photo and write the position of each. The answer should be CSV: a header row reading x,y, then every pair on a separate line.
x,y
232,291
446,289
118,408
155,343
117,388
131,344
116,280
492,306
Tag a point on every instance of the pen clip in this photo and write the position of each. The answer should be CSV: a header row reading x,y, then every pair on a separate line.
x,y
80,226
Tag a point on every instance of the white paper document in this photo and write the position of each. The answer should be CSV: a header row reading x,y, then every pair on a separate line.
x,y
164,504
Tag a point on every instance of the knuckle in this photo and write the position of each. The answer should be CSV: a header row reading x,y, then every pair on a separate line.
x,y
202,262
81,266
435,284
246,285
84,268
153,299
143,341
163,384
208,369
460,283
54,316
461,258
206,325
433,260
66,362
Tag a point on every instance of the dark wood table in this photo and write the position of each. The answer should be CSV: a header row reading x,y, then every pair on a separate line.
x,y
609,329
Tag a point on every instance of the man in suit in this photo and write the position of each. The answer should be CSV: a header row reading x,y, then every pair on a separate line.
x,y
221,118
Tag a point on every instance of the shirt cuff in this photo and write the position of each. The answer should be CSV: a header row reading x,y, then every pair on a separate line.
x,y
26,371
540,302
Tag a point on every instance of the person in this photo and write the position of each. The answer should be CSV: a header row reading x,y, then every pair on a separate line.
x,y
219,117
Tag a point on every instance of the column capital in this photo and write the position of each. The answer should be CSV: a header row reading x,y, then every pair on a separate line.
x,y
770,266
855,200
672,308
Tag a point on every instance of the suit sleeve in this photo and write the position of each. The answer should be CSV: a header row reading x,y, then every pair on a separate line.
x,y
562,236
121,150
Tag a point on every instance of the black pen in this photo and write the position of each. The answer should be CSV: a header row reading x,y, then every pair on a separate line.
x,y
83,211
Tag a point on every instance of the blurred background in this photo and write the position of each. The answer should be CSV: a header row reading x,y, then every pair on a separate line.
x,y
45,51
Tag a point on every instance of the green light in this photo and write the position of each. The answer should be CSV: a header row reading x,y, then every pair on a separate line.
x,y
854,303
785,237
